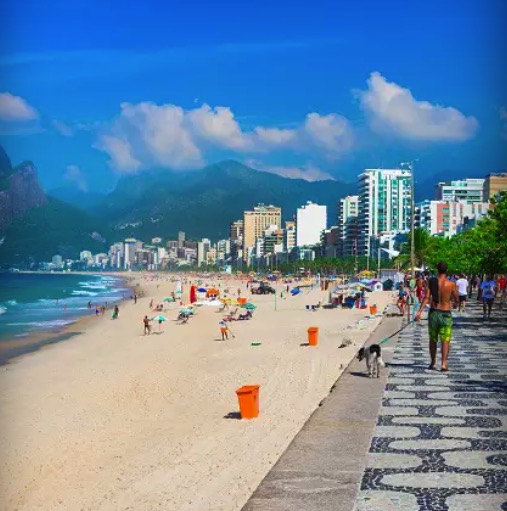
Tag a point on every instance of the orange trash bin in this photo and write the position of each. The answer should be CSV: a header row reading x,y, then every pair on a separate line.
x,y
248,397
373,310
241,301
313,336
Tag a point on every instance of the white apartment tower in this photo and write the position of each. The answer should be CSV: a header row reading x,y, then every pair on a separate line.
x,y
385,203
470,191
348,232
311,220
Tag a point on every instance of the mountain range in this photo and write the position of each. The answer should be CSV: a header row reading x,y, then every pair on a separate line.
x,y
203,203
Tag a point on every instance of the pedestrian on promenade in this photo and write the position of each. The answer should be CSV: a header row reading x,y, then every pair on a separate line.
x,y
502,291
462,285
439,295
488,293
402,299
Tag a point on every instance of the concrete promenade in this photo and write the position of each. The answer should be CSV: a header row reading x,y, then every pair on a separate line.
x,y
415,440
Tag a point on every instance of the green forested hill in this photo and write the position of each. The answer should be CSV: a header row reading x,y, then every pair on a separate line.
x,y
205,202
54,228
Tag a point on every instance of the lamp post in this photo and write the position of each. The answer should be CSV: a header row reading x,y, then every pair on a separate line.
x,y
410,165
412,221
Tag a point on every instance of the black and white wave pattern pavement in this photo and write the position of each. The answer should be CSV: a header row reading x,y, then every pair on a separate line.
x,y
440,443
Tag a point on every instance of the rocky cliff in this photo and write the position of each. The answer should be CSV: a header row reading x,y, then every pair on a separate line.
x,y
20,190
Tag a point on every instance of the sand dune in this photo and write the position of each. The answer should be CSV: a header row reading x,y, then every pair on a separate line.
x,y
115,420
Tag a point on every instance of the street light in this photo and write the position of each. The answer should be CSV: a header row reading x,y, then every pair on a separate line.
x,y
410,165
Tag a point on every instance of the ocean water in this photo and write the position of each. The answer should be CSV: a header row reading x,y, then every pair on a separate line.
x,y
38,302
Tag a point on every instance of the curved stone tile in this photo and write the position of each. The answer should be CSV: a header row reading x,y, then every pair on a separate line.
x,y
471,459
396,432
394,410
434,444
420,402
371,500
388,460
491,502
422,388
429,420
398,381
453,411
450,432
433,480
394,394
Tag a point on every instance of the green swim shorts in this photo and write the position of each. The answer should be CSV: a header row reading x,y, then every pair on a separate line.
x,y
440,325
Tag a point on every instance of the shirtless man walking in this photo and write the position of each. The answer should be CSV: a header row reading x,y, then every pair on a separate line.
x,y
439,295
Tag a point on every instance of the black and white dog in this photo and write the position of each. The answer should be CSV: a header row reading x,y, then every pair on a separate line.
x,y
373,356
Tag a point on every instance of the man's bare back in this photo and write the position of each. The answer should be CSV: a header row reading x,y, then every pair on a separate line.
x,y
447,295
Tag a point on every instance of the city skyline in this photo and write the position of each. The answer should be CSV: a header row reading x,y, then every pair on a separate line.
x,y
317,96
373,224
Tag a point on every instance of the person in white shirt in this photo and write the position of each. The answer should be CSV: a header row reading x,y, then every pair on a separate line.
x,y
462,285
488,293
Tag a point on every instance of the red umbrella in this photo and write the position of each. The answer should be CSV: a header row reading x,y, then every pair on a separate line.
x,y
193,298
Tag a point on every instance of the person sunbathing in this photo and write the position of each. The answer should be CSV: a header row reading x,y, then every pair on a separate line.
x,y
246,316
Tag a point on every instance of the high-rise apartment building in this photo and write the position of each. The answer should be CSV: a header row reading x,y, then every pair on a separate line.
x,y
273,240
494,184
385,203
311,220
130,247
255,222
348,229
447,218
289,236
181,239
467,190
203,248
57,261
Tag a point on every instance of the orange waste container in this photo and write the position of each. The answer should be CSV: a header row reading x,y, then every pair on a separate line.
x,y
248,397
241,301
313,336
373,310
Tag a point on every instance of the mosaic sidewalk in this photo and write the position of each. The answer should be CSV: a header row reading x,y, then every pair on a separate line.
x,y
440,443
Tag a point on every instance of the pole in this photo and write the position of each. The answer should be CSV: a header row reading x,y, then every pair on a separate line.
x,y
412,221
378,264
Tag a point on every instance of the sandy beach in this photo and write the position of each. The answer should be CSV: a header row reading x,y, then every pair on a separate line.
x,y
115,420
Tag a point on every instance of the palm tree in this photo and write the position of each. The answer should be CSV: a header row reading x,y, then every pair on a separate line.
x,y
422,249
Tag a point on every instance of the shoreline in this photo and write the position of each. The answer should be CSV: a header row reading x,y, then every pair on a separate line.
x,y
33,341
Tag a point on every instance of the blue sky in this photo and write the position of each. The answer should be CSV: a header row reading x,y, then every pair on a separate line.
x,y
312,89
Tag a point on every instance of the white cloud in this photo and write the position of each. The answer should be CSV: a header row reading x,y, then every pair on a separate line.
x,y
308,172
15,108
120,152
146,134
63,128
391,108
330,132
73,174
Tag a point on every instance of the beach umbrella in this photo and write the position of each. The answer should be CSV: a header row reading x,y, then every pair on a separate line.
x,y
249,306
202,290
169,299
193,297
159,318
186,310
